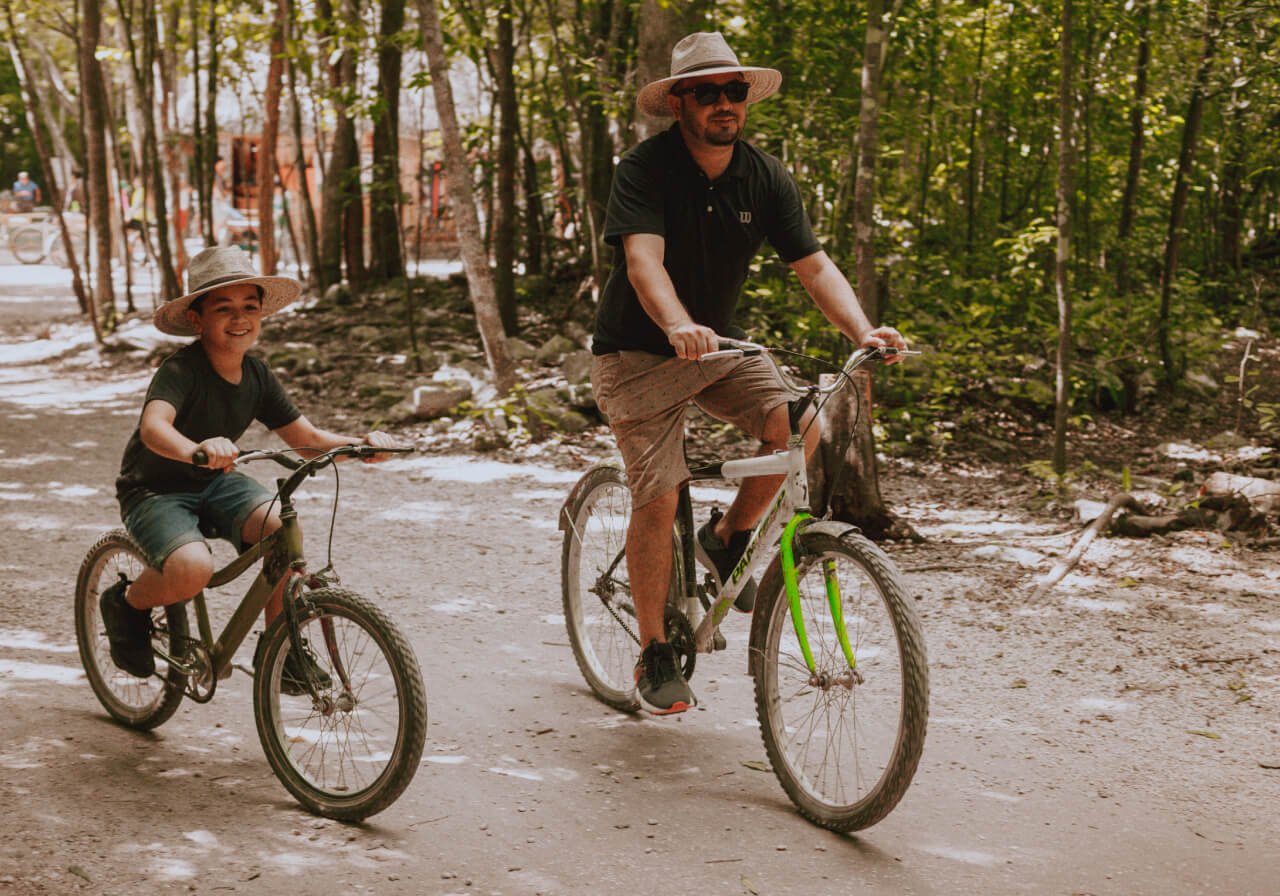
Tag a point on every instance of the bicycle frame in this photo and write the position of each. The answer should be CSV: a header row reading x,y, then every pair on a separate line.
x,y
283,550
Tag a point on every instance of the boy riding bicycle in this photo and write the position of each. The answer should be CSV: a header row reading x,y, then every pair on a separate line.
x,y
203,397
689,209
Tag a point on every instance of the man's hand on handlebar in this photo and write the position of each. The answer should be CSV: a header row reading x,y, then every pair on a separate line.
x,y
886,338
691,341
217,453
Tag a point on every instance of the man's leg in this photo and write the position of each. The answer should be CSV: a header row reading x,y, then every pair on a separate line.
x,y
649,563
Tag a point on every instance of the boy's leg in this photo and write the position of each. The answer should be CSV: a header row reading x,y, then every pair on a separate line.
x,y
167,528
262,522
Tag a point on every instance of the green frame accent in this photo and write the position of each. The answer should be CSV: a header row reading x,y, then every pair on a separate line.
x,y
792,586
837,612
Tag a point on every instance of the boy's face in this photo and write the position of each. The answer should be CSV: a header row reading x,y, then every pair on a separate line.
x,y
230,318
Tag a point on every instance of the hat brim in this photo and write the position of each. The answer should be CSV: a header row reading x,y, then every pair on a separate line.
x,y
764,82
277,292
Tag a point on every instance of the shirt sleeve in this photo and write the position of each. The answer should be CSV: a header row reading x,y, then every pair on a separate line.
x,y
635,201
173,383
789,232
275,409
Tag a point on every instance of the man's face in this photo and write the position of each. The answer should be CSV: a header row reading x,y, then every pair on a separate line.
x,y
23,178
719,123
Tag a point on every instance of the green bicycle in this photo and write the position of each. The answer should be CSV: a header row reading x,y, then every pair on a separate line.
x,y
347,741
836,651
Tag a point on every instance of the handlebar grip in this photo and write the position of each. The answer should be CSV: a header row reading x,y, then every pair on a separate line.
x,y
200,458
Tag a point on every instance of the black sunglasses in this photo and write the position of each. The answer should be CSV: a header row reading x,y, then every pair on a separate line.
x,y
707,93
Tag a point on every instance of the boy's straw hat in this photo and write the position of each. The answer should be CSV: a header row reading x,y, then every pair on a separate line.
x,y
705,53
222,266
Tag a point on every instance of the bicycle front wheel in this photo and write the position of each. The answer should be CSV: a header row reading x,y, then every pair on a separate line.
x,y
598,610
141,703
27,244
351,749
844,742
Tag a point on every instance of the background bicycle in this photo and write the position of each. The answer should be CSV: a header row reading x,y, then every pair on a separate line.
x,y
836,652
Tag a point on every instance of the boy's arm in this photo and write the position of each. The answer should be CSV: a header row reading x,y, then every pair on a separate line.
x,y
160,435
310,440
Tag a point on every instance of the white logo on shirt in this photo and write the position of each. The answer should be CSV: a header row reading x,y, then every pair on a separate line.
x,y
744,217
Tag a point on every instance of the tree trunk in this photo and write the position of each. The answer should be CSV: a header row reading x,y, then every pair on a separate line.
x,y
173,159
1137,137
504,236
266,173
660,26
387,261
94,99
1181,186
1066,117
849,486
474,260
309,229
975,119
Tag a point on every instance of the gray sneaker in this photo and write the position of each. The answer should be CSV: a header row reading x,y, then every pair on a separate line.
x,y
662,687
724,557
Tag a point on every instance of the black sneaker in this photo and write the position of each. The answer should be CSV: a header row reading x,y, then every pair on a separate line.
x,y
725,557
296,673
662,687
128,631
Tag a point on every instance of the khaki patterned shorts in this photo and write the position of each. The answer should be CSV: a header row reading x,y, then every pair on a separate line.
x,y
645,397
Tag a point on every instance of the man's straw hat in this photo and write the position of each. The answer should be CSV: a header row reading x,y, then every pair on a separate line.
x,y
705,53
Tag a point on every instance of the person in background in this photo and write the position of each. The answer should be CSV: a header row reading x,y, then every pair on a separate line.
x,y
26,192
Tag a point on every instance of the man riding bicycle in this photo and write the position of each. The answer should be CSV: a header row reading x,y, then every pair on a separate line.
x,y
689,209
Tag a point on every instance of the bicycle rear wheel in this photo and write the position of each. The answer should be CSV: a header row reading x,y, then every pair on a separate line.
x,y
843,743
141,703
598,610
352,749
27,244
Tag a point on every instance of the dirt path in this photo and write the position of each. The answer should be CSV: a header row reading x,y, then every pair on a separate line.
x,y
1121,737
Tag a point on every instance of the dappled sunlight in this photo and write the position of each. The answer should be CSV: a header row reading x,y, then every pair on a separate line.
x,y
477,470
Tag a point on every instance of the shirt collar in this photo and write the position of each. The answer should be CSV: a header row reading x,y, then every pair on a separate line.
x,y
737,165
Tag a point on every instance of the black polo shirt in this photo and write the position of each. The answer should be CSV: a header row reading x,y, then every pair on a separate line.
x,y
712,231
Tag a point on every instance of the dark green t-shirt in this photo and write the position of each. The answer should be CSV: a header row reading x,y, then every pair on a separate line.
x,y
208,406
712,230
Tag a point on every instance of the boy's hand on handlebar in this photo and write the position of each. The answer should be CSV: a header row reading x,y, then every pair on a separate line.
x,y
886,338
217,453
691,341
378,439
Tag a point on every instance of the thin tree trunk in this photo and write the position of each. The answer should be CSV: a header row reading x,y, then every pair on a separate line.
x,y
849,481
266,173
926,164
975,118
1181,186
1066,117
95,118
474,260
1137,137
387,259
504,242
310,231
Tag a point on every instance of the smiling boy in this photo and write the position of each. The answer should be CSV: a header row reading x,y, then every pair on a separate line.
x,y
203,397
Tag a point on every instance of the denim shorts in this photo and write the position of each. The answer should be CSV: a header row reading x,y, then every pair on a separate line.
x,y
163,523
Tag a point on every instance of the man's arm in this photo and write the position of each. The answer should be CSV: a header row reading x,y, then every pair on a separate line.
x,y
658,297
833,295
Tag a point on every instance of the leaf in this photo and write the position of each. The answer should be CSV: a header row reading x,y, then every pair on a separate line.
x,y
755,764
1019,683
1269,763
1208,734
749,887
1127,582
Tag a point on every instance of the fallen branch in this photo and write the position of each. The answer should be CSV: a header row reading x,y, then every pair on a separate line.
x,y
1124,499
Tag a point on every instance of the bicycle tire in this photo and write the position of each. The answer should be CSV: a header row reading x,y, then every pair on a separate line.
x,y
312,746
595,532
27,244
141,703
816,729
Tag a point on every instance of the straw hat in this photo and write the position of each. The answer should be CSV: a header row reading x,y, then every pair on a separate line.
x,y
705,53
222,266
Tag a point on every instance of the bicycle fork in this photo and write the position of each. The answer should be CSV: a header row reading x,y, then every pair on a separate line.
x,y
792,586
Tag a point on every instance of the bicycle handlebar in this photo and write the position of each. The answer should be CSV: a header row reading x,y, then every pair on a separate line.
x,y
737,348
285,459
